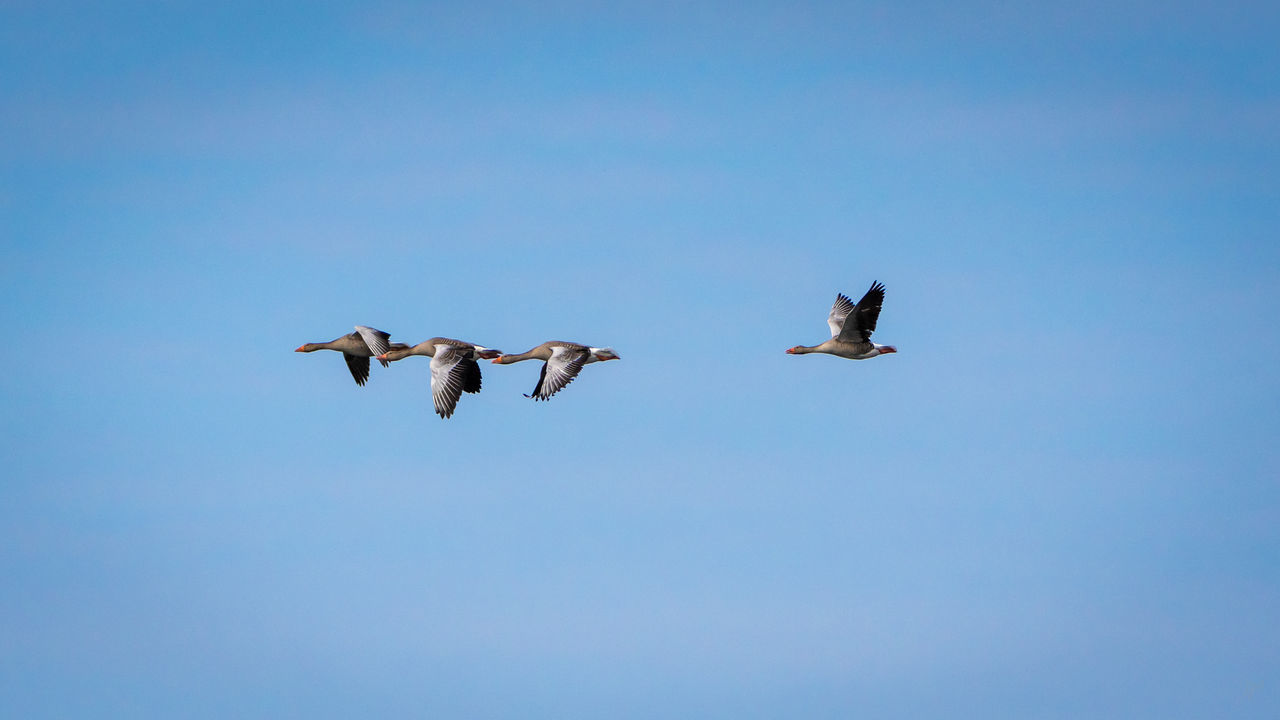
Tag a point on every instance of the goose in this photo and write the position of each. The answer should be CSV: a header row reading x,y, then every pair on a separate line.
x,y
453,368
851,328
356,349
563,362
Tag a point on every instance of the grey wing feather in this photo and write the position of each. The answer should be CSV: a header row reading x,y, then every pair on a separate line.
x,y
839,311
559,371
377,341
449,371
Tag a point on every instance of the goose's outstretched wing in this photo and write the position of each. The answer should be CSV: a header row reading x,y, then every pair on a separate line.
x,y
451,374
861,320
560,370
377,341
839,311
359,367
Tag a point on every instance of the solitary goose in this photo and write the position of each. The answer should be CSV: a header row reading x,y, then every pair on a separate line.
x,y
563,361
356,349
851,328
453,368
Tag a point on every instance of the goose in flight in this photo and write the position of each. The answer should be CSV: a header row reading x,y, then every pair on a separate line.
x,y
851,328
563,361
356,349
453,368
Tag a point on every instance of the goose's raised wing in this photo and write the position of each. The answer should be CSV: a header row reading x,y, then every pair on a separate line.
x,y
839,311
861,320
377,341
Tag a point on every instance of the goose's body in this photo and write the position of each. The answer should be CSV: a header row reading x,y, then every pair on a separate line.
x,y
851,327
453,368
356,349
562,362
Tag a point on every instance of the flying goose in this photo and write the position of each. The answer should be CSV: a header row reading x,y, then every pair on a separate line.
x,y
356,349
453,368
563,362
851,328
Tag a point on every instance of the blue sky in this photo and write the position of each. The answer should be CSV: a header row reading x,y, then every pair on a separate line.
x,y
1059,499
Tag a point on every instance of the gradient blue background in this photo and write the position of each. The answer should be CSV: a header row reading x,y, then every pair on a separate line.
x,y
1059,500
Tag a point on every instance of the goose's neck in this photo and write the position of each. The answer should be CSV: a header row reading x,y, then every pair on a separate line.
x,y
508,359
312,347
398,354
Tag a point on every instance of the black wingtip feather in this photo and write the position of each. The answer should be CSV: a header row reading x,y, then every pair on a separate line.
x,y
537,389
471,377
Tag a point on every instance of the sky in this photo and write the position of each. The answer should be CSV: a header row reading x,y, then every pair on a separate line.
x,y
1059,499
